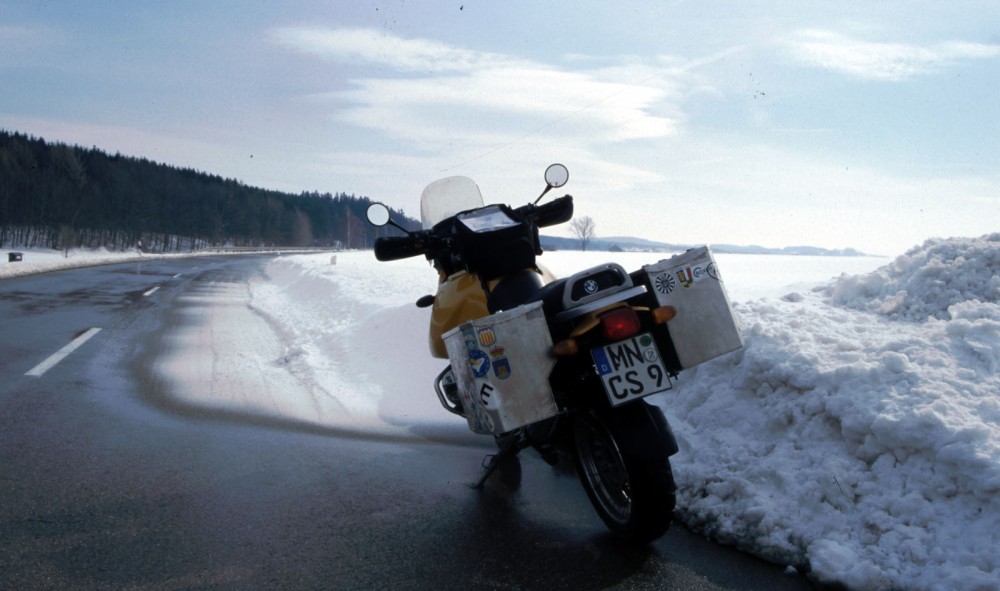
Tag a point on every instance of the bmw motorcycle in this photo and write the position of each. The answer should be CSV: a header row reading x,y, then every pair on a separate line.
x,y
563,366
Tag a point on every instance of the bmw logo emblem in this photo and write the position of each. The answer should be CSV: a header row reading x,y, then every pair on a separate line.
x,y
590,286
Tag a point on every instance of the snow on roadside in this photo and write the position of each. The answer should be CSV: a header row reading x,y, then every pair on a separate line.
x,y
858,431
43,260
353,330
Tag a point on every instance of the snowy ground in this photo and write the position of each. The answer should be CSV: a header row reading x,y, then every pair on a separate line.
x,y
39,261
857,432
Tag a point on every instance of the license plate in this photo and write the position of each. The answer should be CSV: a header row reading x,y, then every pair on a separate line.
x,y
631,369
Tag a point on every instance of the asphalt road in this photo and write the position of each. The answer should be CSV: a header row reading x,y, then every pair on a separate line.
x,y
107,482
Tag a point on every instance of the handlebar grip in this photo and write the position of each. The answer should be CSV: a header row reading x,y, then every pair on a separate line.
x,y
555,212
398,247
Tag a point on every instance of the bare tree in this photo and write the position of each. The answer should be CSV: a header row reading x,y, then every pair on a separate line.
x,y
584,229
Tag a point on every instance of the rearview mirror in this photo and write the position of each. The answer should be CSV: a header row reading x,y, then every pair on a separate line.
x,y
378,214
556,175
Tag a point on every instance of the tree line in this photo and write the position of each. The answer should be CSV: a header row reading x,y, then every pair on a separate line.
x,y
53,195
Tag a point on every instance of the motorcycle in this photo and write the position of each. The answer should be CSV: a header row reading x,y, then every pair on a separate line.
x,y
563,366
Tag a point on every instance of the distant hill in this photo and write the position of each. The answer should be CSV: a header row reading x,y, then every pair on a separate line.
x,y
57,196
627,243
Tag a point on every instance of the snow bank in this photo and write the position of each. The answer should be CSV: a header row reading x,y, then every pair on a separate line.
x,y
858,431
42,260
928,279
352,330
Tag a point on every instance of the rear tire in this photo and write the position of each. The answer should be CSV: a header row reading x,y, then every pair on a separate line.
x,y
624,466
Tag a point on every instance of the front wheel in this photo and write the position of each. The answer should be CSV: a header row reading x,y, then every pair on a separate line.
x,y
624,467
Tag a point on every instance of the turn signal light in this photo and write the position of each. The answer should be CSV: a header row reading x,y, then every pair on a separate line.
x,y
566,348
619,323
664,314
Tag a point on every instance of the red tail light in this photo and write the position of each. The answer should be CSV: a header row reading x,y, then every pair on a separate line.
x,y
619,323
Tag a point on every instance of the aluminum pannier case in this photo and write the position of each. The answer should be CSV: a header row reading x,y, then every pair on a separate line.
x,y
502,364
705,326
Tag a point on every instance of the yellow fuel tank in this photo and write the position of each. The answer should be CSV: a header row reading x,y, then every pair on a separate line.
x,y
459,298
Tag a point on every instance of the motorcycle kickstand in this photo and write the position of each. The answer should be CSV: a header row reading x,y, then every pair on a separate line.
x,y
508,450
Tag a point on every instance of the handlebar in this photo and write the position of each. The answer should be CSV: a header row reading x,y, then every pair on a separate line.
x,y
554,212
402,247
426,242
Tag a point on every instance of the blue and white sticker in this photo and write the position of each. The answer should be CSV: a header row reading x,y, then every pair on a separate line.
x,y
479,362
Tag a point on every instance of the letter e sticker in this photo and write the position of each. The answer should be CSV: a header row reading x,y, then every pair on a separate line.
x,y
487,398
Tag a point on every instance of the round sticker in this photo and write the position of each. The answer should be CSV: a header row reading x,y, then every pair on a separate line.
x,y
479,362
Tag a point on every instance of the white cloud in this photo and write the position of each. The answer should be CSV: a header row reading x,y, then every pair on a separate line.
x,y
372,46
424,108
881,61
484,98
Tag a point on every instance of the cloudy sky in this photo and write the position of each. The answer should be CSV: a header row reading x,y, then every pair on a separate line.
x,y
872,124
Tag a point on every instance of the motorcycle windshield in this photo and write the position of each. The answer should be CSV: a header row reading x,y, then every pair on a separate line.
x,y
446,197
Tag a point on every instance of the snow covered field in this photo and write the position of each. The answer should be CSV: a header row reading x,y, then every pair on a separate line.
x,y
857,432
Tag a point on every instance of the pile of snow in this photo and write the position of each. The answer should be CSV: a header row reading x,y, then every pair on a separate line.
x,y
858,431
927,280
351,329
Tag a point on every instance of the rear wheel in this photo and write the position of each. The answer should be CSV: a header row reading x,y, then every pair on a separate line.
x,y
625,470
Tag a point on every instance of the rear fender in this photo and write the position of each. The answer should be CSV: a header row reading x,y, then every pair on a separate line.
x,y
643,429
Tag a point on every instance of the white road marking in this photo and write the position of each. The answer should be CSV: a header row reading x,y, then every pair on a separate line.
x,y
61,354
150,292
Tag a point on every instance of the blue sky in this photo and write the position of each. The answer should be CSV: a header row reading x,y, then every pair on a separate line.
x,y
868,124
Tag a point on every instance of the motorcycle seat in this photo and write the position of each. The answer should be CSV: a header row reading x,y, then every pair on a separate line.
x,y
565,299
525,287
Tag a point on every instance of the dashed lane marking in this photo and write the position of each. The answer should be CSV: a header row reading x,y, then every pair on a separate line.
x,y
61,354
151,291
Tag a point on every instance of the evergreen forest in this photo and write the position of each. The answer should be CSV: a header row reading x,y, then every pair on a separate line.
x,y
57,196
